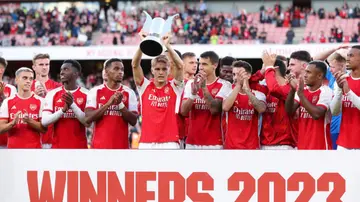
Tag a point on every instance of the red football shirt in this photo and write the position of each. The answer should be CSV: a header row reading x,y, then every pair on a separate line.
x,y
9,91
22,135
159,109
111,131
315,134
242,131
205,128
349,136
275,123
69,132
49,85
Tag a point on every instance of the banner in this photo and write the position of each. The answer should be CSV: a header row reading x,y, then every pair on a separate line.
x,y
177,176
127,52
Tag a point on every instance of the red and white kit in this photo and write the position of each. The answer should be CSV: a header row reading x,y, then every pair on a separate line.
x,y
111,131
204,128
315,134
243,120
349,104
159,109
22,135
69,132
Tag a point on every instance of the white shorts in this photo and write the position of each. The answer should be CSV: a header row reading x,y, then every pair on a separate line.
x,y
46,146
191,146
277,147
165,145
3,147
343,148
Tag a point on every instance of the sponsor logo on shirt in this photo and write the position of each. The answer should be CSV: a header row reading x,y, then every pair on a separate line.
x,y
113,110
347,103
200,104
304,114
68,114
22,115
271,107
243,114
160,102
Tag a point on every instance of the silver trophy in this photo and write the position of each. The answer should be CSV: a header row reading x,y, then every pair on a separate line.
x,y
156,29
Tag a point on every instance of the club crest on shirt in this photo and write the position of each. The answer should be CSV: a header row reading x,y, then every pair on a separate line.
x,y
214,91
124,99
33,107
166,90
80,100
315,98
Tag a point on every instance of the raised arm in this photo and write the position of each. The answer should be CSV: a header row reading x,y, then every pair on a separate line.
x,y
324,55
258,100
230,99
138,73
179,65
355,100
290,105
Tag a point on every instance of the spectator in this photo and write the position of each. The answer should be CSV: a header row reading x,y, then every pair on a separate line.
x,y
262,36
355,38
309,38
322,37
290,35
321,13
253,31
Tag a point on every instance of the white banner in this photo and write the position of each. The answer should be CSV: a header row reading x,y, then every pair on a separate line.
x,y
127,52
164,176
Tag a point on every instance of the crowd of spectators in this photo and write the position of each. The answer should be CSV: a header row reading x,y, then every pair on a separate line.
x,y
39,27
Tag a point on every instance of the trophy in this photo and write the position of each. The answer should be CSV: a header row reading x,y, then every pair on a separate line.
x,y
156,29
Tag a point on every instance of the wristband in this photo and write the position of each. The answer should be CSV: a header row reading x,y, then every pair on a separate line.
x,y
121,106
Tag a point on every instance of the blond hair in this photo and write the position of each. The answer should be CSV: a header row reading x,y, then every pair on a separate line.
x,y
160,58
338,57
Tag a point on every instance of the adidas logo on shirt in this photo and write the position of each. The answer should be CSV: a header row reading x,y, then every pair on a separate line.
x,y
102,98
59,100
13,107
